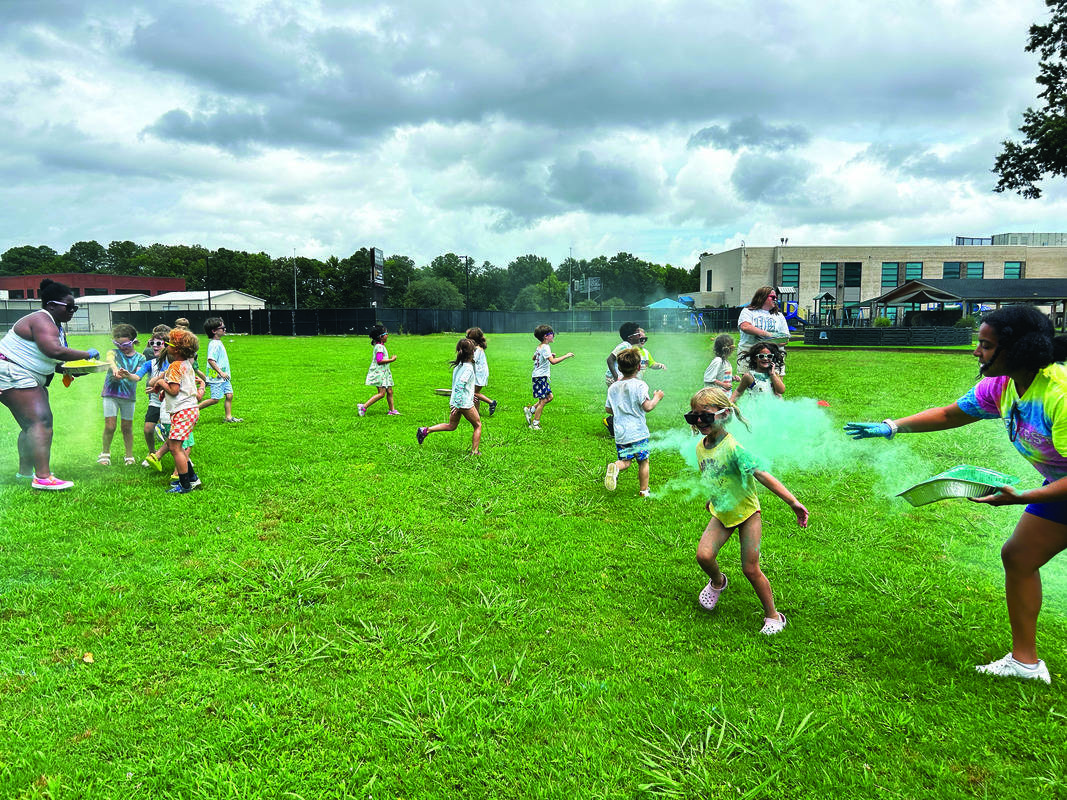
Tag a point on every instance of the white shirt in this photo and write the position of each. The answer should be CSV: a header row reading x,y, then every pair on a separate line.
x,y
542,366
765,321
624,399
462,386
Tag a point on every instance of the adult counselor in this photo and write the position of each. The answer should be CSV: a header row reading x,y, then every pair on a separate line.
x,y
1024,383
29,353
760,320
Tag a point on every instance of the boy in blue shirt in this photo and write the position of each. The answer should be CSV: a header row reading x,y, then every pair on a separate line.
x,y
218,370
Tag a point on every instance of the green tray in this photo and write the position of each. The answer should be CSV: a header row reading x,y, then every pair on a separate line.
x,y
960,481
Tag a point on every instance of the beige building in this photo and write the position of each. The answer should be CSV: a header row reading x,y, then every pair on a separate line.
x,y
847,275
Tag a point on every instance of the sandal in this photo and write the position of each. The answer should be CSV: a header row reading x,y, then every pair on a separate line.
x,y
104,459
129,461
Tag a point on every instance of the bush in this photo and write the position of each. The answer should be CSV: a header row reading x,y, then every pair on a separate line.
x,y
882,322
966,322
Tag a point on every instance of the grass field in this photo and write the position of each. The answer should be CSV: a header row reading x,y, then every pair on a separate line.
x,y
341,613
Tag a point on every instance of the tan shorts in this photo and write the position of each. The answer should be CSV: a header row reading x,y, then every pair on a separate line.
x,y
12,376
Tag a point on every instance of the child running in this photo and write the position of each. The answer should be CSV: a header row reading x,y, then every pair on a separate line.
x,y
631,334
628,401
481,369
119,391
180,402
461,401
379,374
762,377
218,371
543,359
729,469
719,372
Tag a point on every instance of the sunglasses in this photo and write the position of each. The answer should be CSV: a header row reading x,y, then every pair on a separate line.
x,y
639,339
157,343
764,356
704,418
69,306
124,345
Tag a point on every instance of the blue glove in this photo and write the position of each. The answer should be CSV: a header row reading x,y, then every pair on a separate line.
x,y
94,353
868,430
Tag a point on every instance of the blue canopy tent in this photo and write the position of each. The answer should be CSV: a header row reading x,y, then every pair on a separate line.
x,y
666,302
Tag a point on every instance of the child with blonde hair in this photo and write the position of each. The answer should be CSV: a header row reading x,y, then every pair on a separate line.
x,y
719,372
119,392
728,470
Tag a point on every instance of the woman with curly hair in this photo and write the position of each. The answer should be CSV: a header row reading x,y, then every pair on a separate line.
x,y
1024,383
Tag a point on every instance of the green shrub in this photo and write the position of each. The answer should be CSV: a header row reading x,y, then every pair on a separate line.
x,y
882,322
966,321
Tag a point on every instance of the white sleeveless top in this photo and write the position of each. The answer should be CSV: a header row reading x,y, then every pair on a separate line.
x,y
26,353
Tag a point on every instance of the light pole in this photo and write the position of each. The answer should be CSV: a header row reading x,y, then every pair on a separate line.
x,y
207,278
467,295
294,279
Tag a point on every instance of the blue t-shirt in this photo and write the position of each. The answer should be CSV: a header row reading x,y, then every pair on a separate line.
x,y
217,352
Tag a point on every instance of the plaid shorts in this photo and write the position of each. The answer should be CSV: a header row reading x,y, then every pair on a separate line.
x,y
541,388
635,451
182,422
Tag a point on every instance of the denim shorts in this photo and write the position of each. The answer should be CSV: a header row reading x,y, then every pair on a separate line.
x,y
219,389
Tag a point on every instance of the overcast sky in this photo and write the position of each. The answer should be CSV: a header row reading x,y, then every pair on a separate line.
x,y
663,128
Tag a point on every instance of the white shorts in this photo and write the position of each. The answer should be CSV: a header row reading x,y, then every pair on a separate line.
x,y
114,406
12,376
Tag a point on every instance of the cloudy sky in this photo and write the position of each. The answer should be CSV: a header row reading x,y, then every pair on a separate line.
x,y
663,128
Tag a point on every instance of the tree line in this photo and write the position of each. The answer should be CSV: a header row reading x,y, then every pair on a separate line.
x,y
528,283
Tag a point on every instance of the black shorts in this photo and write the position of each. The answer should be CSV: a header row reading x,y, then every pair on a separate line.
x,y
152,415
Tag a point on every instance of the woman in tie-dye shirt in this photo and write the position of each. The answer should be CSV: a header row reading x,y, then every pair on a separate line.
x,y
1024,382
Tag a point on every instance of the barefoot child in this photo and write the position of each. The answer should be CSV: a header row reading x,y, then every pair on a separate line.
x,y
380,374
543,359
119,392
728,469
481,369
461,401
627,402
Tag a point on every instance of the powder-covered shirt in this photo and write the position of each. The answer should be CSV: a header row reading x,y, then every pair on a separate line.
x,y
181,373
542,366
124,388
462,386
624,399
727,471
1037,420
216,352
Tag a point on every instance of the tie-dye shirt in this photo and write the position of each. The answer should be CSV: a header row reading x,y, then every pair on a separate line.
x,y
727,472
1037,420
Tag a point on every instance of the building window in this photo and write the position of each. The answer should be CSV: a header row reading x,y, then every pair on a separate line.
x,y
890,271
707,286
952,270
94,291
828,276
853,278
975,269
913,271
1013,269
791,274
16,294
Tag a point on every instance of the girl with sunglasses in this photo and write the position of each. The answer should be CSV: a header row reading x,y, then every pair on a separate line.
x,y
761,376
154,367
1024,383
119,391
728,471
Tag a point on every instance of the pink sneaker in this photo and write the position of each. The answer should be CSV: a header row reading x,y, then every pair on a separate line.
x,y
51,483
393,413
362,409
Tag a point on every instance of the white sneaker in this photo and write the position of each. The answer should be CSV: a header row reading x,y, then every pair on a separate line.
x,y
361,409
528,411
611,477
709,595
773,626
1008,667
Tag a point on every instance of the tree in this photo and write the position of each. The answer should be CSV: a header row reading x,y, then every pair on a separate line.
x,y
679,281
528,299
27,260
87,256
1043,150
120,258
525,271
399,272
489,287
432,292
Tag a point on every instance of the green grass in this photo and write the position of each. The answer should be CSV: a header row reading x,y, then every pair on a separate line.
x,y
340,613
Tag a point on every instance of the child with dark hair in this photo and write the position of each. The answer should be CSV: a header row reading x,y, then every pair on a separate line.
x,y
461,401
481,369
119,392
628,401
218,371
719,373
379,374
761,377
543,359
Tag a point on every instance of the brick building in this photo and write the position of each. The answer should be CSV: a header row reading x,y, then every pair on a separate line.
x,y
21,287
